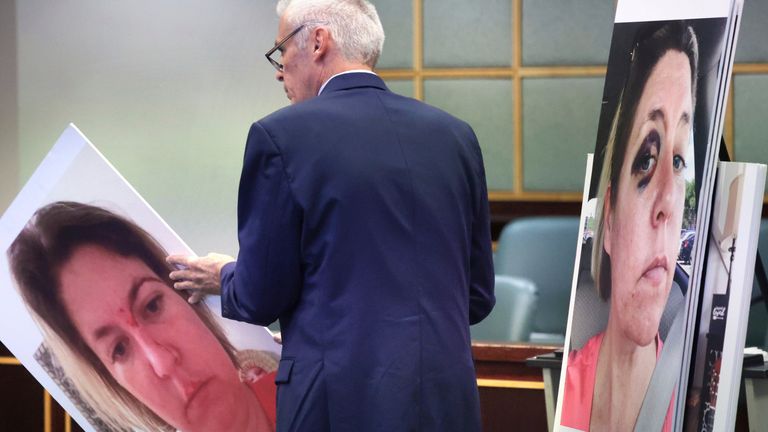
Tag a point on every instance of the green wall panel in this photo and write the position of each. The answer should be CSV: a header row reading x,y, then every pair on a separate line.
x,y
462,33
487,106
402,87
167,96
751,141
9,107
560,118
397,19
753,35
566,32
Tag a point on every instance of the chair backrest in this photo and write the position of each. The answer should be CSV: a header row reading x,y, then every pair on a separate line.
x,y
542,250
762,243
512,316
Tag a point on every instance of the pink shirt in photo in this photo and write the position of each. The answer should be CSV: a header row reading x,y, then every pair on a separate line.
x,y
580,385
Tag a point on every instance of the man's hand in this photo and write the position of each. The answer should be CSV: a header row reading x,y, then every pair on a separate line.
x,y
198,276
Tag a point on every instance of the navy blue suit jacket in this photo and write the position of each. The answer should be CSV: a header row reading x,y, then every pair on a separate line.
x,y
363,227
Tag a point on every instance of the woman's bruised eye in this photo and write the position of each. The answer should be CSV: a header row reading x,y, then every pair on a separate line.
x,y
646,158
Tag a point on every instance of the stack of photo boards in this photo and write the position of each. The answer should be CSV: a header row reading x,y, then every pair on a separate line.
x,y
657,320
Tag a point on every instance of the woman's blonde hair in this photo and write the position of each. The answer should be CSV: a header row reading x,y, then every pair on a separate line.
x,y
36,258
651,43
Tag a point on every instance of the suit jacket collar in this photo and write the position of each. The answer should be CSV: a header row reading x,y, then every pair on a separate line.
x,y
353,80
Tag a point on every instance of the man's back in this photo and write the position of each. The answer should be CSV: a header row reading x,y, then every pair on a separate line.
x,y
368,213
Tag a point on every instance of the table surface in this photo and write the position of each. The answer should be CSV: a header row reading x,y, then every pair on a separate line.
x,y
756,371
551,360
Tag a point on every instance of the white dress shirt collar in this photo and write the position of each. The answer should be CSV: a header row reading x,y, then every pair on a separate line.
x,y
342,73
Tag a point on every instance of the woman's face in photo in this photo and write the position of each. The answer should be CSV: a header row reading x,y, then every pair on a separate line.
x,y
150,339
643,230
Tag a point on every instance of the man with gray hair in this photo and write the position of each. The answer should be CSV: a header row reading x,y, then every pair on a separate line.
x,y
363,227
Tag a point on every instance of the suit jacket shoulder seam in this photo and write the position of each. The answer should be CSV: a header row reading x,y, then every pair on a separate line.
x,y
284,168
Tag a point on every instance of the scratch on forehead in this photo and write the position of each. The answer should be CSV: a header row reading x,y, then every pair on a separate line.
x,y
127,315
125,312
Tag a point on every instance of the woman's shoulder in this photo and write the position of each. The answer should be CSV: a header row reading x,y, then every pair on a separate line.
x,y
580,384
257,369
586,357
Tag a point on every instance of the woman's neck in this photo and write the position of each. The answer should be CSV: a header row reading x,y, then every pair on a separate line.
x,y
624,371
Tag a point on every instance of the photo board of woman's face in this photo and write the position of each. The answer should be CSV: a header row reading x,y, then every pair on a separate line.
x,y
88,307
642,200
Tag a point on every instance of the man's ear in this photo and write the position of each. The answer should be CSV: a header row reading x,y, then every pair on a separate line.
x,y
320,42
607,220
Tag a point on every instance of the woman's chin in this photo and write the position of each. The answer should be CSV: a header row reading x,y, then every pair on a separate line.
x,y
641,325
220,408
643,340
642,335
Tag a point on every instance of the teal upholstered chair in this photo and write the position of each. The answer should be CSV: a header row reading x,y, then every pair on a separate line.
x,y
757,329
542,250
511,318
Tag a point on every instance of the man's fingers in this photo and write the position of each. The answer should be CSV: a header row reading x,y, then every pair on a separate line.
x,y
195,298
184,285
177,259
183,275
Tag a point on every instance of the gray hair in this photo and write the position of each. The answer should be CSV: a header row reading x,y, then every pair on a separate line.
x,y
353,24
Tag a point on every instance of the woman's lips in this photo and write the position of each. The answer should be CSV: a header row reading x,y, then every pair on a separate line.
x,y
656,272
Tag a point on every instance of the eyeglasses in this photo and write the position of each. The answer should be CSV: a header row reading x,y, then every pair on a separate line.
x,y
277,50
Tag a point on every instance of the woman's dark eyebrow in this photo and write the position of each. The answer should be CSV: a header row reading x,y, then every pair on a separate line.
x,y
656,114
134,291
132,295
102,331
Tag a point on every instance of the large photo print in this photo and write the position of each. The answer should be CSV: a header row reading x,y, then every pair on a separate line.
x,y
640,226
95,318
